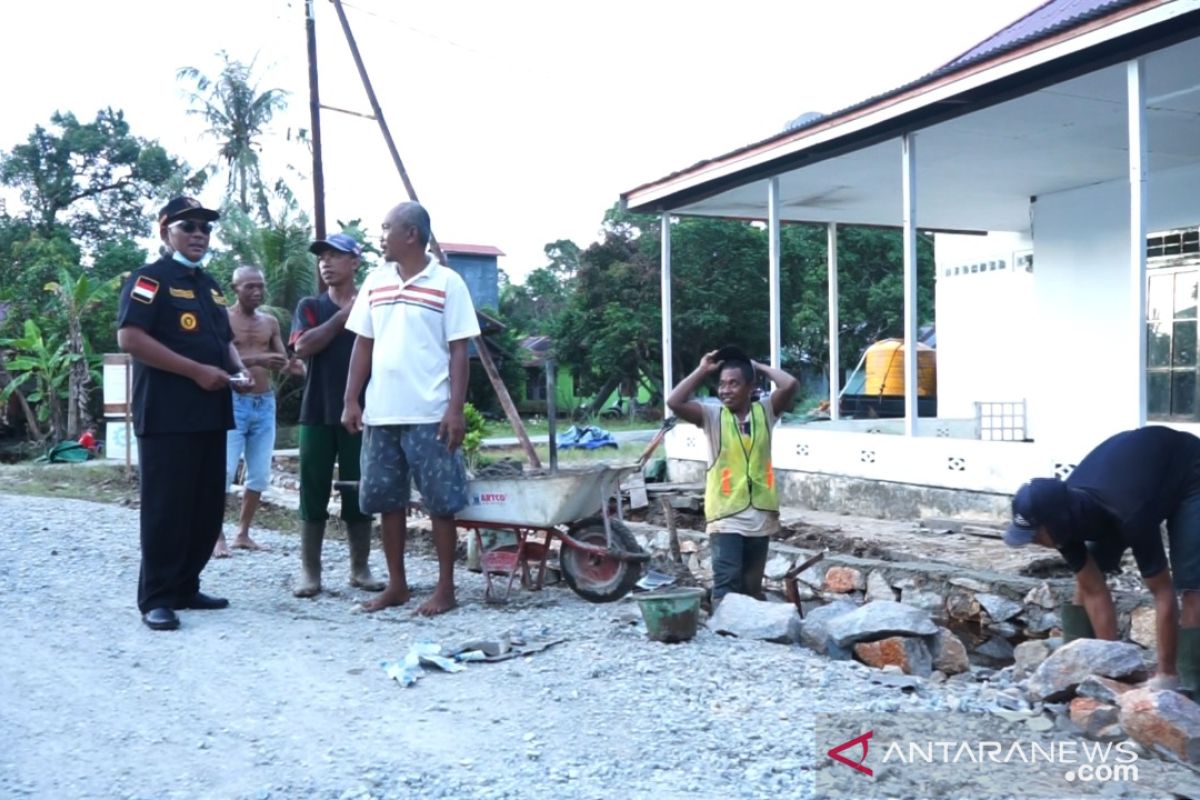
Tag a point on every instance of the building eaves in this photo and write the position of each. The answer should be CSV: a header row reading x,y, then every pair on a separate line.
x,y
1021,34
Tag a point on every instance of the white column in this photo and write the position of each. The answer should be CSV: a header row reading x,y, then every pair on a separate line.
x,y
835,368
773,267
908,185
1135,82
668,376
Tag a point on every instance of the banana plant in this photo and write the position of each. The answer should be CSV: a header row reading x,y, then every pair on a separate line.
x,y
78,295
41,371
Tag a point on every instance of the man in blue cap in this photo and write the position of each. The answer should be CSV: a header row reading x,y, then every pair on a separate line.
x,y
1116,499
320,337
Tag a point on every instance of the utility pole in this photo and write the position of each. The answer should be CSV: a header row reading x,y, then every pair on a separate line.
x,y
481,348
314,110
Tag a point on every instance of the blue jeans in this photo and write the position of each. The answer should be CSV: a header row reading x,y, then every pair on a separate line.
x,y
253,433
738,563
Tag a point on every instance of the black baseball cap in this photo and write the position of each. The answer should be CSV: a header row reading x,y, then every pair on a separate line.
x,y
1042,501
181,207
338,241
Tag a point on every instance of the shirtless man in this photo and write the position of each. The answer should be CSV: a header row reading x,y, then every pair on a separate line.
x,y
257,339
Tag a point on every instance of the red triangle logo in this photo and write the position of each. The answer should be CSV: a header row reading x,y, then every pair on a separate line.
x,y
836,753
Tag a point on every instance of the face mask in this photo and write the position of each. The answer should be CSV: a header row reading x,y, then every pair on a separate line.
x,y
182,259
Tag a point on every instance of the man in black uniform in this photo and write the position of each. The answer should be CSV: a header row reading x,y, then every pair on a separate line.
x,y
173,322
1116,499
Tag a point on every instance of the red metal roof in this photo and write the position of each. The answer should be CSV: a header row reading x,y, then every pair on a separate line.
x,y
471,249
1048,18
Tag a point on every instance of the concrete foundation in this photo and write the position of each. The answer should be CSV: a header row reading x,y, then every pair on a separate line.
x,y
870,498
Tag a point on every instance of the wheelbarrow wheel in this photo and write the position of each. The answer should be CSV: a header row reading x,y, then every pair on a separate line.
x,y
600,579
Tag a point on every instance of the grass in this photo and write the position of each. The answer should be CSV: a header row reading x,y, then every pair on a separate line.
x,y
288,436
99,481
106,482
539,425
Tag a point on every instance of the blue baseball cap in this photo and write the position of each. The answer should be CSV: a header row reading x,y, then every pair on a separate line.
x,y
1040,502
338,241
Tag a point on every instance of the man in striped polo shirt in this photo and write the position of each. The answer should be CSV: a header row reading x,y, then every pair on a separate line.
x,y
413,317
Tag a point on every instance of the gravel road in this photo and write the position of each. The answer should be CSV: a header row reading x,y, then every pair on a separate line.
x,y
284,698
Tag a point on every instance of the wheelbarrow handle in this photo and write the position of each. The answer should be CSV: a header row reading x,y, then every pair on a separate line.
x,y
667,424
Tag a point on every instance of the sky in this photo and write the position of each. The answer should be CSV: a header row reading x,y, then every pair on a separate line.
x,y
519,122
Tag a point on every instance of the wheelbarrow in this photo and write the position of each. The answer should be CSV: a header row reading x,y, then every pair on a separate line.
x,y
599,556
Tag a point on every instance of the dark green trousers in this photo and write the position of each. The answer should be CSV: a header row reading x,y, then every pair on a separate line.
x,y
320,447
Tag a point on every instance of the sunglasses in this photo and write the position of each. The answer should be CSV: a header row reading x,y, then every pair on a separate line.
x,y
191,226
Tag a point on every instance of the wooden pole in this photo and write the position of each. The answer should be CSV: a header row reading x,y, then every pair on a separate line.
x,y
485,357
672,530
552,414
314,112
129,417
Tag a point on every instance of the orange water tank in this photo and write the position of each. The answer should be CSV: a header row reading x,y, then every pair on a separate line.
x,y
885,369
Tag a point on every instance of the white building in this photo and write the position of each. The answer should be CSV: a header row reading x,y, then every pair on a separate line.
x,y
1067,138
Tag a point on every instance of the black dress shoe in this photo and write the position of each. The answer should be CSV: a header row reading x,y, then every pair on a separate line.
x,y
204,602
160,619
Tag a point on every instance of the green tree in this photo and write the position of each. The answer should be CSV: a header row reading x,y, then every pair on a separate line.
x,y
90,178
76,297
608,330
237,113
278,246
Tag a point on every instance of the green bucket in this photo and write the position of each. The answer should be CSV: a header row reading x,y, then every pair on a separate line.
x,y
671,615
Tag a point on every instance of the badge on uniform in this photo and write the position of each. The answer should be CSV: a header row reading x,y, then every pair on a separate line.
x,y
188,321
218,298
144,290
186,294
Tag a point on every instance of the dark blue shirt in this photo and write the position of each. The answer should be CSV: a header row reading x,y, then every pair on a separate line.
x,y
184,309
1131,482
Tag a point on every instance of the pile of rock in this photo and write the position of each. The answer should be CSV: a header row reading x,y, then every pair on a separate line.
x,y
1089,687
881,633
1097,687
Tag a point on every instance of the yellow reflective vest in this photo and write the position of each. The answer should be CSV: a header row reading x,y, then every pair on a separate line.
x,y
741,476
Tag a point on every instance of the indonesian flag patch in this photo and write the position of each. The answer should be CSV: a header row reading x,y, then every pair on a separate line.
x,y
144,290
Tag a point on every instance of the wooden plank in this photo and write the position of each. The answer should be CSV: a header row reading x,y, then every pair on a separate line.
x,y
659,488
636,486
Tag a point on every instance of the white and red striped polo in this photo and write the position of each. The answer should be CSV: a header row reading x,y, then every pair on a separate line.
x,y
412,324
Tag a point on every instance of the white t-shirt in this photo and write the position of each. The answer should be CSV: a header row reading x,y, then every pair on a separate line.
x,y
752,521
412,324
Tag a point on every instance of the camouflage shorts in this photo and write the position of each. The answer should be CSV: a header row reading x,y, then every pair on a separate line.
x,y
396,456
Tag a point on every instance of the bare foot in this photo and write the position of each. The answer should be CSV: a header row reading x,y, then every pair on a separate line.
x,y
441,602
244,542
390,597
221,550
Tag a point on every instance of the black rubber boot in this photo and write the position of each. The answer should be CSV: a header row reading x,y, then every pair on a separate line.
x,y
1075,623
1187,660
358,534
312,534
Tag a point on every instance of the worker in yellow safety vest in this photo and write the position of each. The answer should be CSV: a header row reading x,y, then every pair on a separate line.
x,y
741,499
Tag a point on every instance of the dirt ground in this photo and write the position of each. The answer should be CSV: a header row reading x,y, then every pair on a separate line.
x,y
278,697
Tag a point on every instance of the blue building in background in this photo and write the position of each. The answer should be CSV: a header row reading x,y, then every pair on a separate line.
x,y
476,263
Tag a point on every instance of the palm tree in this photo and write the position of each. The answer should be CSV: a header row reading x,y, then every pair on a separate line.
x,y
237,114
279,247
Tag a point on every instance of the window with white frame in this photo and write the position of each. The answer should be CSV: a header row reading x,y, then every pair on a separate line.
x,y
1172,343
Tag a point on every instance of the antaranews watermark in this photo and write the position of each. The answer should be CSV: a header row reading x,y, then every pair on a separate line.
x,y
964,755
